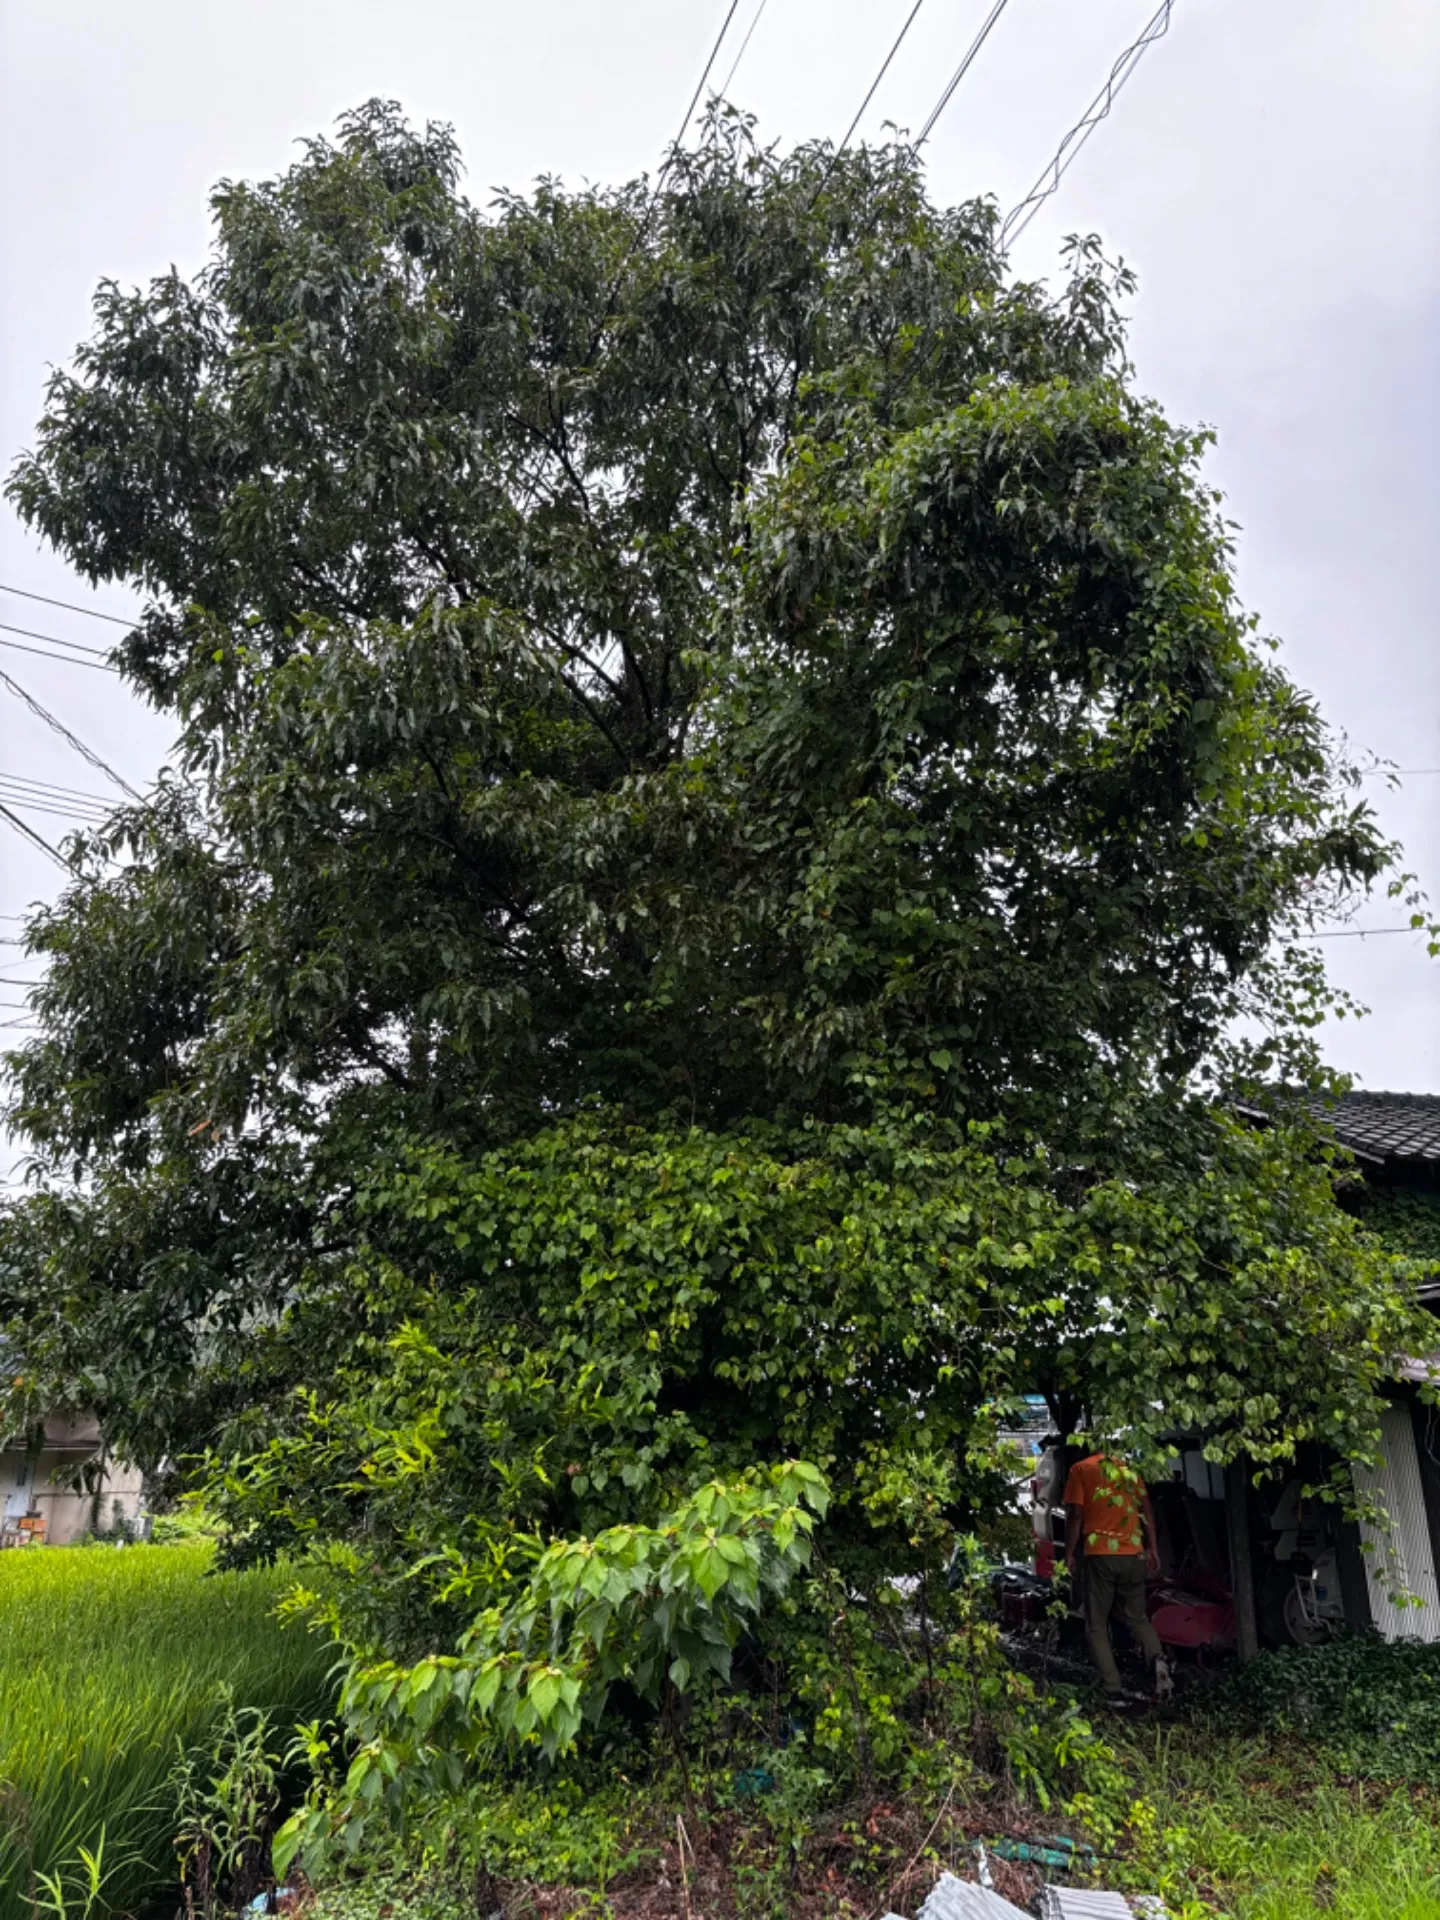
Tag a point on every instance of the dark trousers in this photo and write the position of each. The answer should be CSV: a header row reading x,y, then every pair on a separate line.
x,y
1111,1579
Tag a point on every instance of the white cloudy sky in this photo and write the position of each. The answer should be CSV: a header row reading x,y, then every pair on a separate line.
x,y
1272,171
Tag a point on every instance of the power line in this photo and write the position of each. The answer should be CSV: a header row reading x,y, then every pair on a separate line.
x,y
53,640
870,95
1359,933
48,787
1375,773
700,86
21,795
53,802
30,834
1069,149
58,726
960,72
55,813
70,606
723,91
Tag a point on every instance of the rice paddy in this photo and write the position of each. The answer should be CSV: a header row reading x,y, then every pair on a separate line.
x,y
108,1658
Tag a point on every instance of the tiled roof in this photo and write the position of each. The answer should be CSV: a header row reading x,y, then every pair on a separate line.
x,y
1388,1126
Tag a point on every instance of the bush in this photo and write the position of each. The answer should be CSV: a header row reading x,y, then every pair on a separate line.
x,y
1373,1707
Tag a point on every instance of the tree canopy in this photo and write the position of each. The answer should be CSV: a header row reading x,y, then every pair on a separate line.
x,y
725,822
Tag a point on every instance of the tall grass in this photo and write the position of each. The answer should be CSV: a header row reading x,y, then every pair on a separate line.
x,y
107,1658
1271,1830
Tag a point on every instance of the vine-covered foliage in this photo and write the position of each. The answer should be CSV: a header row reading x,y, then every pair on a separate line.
x,y
724,819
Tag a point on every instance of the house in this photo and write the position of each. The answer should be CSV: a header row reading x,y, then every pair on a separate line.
x,y
1395,1139
1246,1563
44,1501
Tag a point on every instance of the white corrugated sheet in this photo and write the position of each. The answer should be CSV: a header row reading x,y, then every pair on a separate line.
x,y
1083,1903
1403,1558
952,1899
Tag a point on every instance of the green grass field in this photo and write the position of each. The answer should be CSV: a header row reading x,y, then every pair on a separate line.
x,y
107,1658
1270,1830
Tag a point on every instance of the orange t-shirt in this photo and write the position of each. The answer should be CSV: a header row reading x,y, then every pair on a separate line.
x,y
1109,1494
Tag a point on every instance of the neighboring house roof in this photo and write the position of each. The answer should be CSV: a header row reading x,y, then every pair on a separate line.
x,y
1395,1127
1397,1130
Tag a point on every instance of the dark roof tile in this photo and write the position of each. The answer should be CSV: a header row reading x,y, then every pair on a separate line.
x,y
1387,1126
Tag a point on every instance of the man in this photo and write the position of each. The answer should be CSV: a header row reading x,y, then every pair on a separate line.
x,y
1106,1507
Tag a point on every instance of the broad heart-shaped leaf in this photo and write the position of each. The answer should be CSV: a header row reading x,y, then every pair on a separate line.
x,y
709,1569
544,1692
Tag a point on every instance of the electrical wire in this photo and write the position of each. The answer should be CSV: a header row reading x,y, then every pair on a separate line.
x,y
48,653
723,91
49,788
1359,933
1020,215
73,740
19,793
53,640
70,606
899,41
700,88
38,839
960,72
87,655
56,813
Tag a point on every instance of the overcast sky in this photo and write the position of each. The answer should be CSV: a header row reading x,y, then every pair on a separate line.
x,y
1272,171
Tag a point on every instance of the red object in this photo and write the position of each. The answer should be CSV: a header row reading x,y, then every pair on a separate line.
x,y
1044,1558
1199,1614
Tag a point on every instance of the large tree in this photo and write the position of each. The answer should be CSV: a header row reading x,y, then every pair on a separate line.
x,y
724,819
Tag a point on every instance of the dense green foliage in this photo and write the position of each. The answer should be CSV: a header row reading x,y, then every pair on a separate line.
x,y
1372,1709
724,819
108,1657
1404,1219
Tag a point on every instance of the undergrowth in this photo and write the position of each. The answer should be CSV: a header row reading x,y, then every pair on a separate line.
x,y
1373,1709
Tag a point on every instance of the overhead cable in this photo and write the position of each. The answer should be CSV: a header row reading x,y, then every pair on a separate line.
x,y
1358,933
723,90
58,726
49,787
77,659
38,839
960,72
1020,216
884,69
700,86
70,606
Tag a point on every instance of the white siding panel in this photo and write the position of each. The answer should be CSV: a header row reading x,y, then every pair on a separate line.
x,y
1403,1557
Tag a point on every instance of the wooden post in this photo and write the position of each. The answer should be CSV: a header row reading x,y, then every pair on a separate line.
x,y
1242,1567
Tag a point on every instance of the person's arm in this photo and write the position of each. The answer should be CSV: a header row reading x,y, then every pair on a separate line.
x,y
1152,1539
1074,1521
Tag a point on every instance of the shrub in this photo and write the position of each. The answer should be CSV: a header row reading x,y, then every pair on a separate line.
x,y
1372,1707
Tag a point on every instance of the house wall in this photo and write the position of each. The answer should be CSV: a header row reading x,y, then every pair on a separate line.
x,y
39,1483
1402,1557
